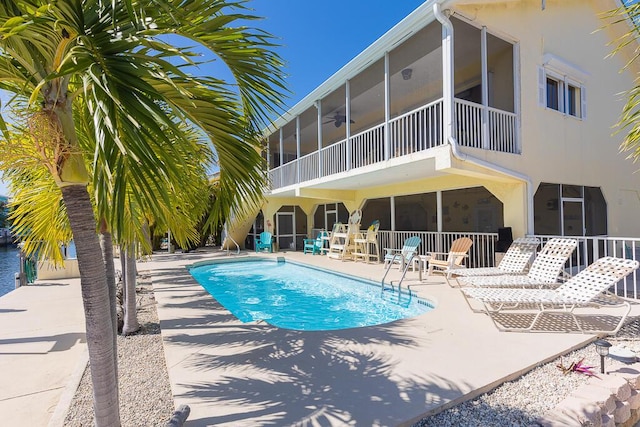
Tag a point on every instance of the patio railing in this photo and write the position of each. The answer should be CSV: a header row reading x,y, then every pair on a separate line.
x,y
591,248
481,253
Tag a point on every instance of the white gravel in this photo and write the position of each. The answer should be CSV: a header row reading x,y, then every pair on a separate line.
x,y
145,393
521,402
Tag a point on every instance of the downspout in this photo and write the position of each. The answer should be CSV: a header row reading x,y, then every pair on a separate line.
x,y
447,28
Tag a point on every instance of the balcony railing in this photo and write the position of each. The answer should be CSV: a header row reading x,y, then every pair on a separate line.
x,y
418,130
500,131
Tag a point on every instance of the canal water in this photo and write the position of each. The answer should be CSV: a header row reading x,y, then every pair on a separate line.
x,y
9,266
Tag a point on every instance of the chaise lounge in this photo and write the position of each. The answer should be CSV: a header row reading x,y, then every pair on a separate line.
x,y
589,288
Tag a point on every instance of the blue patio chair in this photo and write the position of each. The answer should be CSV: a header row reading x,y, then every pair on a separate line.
x,y
316,246
264,242
402,256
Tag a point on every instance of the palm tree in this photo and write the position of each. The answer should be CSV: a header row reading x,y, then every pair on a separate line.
x,y
630,119
111,58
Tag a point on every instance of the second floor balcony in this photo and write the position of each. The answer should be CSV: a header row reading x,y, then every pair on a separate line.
x,y
399,103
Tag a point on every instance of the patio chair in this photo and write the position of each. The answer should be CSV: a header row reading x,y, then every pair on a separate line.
x,y
264,242
545,270
341,245
515,261
402,256
316,246
366,244
454,258
588,288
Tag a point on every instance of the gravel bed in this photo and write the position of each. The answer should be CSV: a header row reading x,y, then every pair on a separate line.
x,y
522,401
145,392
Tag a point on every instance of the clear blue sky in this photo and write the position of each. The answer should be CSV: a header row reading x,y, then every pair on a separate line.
x,y
318,37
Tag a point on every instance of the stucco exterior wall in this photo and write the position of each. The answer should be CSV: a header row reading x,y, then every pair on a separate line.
x,y
559,148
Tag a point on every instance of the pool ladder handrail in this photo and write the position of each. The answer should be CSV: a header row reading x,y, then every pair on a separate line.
x,y
227,236
404,272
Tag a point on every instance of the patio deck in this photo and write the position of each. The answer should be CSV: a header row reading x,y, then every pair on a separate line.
x,y
247,374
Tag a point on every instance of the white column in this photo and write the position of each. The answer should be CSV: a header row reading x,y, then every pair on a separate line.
x,y
281,158
348,122
516,101
387,108
485,89
439,207
298,149
319,107
392,200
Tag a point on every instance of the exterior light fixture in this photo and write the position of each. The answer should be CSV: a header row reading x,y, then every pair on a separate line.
x,y
406,73
602,347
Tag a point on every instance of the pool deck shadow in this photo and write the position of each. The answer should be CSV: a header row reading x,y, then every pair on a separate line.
x,y
252,374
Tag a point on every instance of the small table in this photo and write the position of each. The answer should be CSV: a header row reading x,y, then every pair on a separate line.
x,y
423,263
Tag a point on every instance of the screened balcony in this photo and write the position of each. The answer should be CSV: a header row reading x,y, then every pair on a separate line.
x,y
394,107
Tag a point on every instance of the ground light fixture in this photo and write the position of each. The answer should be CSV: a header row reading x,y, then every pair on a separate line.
x,y
602,347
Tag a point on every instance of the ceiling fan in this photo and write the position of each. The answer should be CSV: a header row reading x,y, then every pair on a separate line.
x,y
337,119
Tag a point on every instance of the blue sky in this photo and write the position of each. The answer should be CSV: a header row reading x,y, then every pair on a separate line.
x,y
318,37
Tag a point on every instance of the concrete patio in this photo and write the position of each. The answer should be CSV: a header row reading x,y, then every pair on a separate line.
x,y
235,374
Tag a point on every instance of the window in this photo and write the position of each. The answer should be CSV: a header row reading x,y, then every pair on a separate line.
x,y
559,87
553,94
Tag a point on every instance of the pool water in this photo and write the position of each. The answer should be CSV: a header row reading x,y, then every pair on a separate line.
x,y
293,296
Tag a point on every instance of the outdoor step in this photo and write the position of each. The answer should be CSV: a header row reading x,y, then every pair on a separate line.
x,y
598,395
557,418
581,410
617,385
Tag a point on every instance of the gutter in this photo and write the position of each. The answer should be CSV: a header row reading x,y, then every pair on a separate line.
x,y
447,31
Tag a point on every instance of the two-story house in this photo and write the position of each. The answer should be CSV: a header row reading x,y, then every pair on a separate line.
x,y
466,117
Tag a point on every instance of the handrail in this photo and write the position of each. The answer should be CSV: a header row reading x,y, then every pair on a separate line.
x,y
404,272
227,236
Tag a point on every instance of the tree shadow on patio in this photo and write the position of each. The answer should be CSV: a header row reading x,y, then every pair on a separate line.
x,y
257,374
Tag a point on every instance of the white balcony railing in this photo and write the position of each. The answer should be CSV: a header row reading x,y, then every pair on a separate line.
x,y
418,130
367,147
500,127
309,166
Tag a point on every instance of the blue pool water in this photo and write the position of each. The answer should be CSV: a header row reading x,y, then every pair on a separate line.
x,y
292,296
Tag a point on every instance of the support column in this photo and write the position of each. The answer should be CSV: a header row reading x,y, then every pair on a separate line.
x,y
485,89
319,107
387,109
297,149
348,122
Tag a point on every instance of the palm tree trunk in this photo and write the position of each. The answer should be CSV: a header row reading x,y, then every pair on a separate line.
x,y
131,324
106,244
95,297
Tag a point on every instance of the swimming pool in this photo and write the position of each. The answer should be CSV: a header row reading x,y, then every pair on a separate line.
x,y
292,296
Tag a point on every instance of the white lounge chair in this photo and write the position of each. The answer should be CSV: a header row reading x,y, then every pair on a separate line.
x,y
584,289
545,269
514,261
